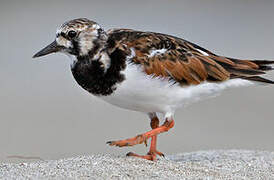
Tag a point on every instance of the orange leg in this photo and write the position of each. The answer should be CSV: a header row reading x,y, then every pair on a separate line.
x,y
156,129
151,155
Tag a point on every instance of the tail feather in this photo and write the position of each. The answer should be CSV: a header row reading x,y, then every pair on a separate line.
x,y
262,62
258,79
264,65
251,69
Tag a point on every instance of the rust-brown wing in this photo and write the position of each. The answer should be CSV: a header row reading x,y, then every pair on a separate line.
x,y
184,62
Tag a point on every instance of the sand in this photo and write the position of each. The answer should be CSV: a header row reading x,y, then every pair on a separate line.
x,y
219,164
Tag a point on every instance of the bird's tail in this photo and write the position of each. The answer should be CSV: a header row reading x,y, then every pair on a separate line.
x,y
252,69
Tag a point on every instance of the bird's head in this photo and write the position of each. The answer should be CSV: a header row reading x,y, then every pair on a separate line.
x,y
78,37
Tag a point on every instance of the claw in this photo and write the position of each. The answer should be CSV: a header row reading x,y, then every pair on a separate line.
x,y
139,139
109,142
145,141
159,153
129,154
150,156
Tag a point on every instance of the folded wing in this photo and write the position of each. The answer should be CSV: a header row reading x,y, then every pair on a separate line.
x,y
182,61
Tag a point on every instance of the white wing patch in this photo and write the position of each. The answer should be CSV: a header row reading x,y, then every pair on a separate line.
x,y
204,53
157,52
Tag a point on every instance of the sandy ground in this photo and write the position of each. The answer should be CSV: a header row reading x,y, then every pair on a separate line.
x,y
229,164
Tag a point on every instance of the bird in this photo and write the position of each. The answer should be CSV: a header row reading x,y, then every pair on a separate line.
x,y
148,72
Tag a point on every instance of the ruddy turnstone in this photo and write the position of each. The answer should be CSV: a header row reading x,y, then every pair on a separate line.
x,y
148,72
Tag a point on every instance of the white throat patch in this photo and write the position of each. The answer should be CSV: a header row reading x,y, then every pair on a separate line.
x,y
73,59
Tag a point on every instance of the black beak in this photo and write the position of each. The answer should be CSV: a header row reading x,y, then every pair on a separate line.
x,y
52,48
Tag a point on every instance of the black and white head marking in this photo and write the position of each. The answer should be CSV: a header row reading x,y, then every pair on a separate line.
x,y
82,37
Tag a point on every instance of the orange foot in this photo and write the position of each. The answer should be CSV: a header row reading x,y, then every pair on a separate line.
x,y
139,139
150,155
156,129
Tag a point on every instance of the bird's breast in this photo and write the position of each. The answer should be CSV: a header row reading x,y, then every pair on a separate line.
x,y
91,76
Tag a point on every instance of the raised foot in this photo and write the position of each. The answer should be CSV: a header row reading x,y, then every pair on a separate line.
x,y
151,155
130,142
143,137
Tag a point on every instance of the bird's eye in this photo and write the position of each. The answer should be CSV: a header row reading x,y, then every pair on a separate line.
x,y
72,34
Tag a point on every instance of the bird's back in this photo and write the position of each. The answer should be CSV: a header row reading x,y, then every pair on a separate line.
x,y
186,63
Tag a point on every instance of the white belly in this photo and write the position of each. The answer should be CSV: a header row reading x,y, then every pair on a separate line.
x,y
141,92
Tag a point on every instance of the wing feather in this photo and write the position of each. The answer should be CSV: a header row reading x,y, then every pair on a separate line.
x,y
184,62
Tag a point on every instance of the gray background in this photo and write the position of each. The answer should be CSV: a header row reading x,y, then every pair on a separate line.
x,y
44,113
